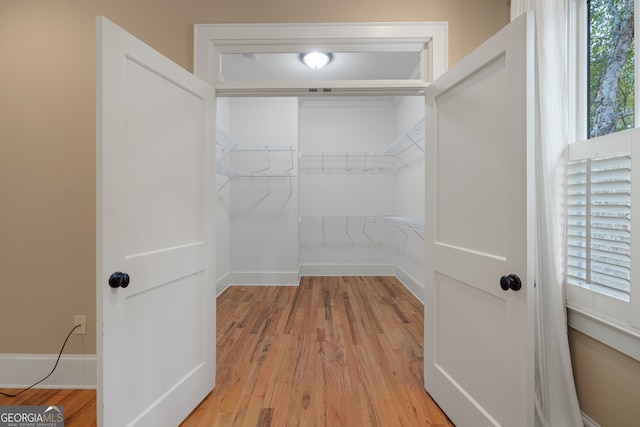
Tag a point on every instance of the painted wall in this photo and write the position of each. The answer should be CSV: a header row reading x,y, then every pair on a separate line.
x,y
607,381
340,186
47,132
223,227
263,213
341,198
47,142
409,182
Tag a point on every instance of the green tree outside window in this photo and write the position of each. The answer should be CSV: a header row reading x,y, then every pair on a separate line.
x,y
611,66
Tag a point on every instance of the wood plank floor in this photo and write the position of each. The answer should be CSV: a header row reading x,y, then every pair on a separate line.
x,y
335,351
79,405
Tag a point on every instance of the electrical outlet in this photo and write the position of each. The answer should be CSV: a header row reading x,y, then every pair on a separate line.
x,y
80,319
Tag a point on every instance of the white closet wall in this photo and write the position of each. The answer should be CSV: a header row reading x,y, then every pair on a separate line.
x,y
311,188
262,192
345,186
223,266
409,248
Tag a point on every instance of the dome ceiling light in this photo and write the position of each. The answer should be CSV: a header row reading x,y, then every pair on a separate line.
x,y
316,60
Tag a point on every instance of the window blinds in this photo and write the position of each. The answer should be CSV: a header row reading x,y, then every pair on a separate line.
x,y
598,220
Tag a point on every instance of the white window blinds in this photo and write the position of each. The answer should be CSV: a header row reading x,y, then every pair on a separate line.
x,y
598,244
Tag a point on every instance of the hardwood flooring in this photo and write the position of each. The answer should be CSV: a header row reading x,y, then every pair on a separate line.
x,y
79,405
335,351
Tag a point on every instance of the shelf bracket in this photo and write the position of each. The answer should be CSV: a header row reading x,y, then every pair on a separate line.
x,y
223,185
266,150
266,183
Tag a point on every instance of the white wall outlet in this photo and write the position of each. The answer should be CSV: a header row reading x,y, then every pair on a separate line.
x,y
80,319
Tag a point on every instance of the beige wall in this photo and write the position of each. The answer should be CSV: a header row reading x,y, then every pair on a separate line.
x,y
607,381
47,164
47,131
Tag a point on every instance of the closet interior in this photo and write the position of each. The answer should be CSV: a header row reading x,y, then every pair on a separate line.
x,y
319,186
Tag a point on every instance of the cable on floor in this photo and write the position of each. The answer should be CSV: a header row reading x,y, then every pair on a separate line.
x,y
54,367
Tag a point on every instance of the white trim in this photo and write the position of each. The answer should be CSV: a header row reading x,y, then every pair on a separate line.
x,y
265,278
588,421
634,299
212,39
222,284
614,144
578,73
75,371
322,88
412,285
293,279
608,331
609,320
256,279
347,270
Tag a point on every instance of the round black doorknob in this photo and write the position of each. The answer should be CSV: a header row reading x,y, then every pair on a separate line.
x,y
510,281
119,280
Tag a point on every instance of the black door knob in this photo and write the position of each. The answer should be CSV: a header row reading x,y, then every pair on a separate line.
x,y
510,281
119,280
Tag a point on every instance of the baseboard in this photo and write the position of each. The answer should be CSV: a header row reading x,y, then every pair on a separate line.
x,y
264,278
411,284
222,284
293,279
347,270
588,422
76,371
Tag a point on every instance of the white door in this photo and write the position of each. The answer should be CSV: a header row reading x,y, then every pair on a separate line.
x,y
155,222
480,219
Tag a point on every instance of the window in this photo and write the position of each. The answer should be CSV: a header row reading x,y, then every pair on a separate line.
x,y
601,267
611,66
598,220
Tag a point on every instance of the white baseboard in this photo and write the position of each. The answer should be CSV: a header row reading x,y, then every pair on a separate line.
x,y
347,270
77,371
265,278
588,422
411,284
221,284
293,279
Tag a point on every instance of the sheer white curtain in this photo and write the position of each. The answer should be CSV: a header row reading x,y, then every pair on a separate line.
x,y
556,401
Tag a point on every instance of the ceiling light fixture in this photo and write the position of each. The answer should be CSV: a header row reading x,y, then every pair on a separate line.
x,y
316,60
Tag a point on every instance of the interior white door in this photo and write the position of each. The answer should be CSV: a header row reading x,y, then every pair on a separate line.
x,y
155,222
479,227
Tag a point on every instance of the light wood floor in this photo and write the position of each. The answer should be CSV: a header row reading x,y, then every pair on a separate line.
x,y
335,351
79,405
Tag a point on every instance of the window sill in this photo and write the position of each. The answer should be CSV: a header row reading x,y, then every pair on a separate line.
x,y
611,332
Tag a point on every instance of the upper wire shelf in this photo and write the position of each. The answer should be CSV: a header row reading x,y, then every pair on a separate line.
x,y
227,145
415,225
384,161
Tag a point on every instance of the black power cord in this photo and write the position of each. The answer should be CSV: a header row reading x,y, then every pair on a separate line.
x,y
54,367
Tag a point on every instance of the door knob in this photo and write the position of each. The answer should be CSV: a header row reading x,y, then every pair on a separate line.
x,y
510,281
119,280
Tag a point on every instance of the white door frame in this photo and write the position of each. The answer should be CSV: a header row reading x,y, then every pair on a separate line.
x,y
211,40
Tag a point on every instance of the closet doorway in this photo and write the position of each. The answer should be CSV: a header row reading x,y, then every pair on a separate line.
x,y
496,123
485,102
320,171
